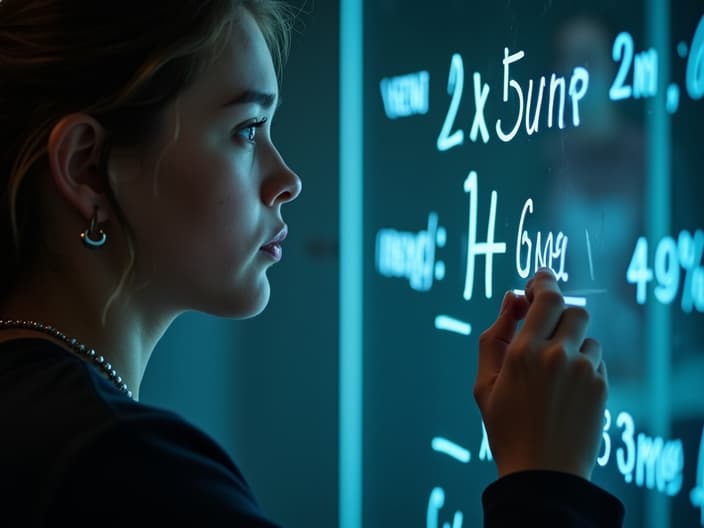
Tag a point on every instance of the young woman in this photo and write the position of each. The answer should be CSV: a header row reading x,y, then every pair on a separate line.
x,y
139,180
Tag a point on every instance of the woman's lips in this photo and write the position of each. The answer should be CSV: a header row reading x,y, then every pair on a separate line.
x,y
273,248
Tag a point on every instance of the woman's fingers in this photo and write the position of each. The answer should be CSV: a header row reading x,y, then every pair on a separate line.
x,y
494,341
546,306
572,328
592,350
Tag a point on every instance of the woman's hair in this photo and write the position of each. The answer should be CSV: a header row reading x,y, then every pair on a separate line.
x,y
120,62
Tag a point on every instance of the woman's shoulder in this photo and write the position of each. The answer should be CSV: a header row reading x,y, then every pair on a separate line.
x,y
48,392
54,404
47,389
160,467
79,442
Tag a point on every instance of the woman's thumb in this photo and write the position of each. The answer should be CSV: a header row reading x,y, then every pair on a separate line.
x,y
495,339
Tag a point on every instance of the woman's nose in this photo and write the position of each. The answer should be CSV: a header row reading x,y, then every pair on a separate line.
x,y
283,185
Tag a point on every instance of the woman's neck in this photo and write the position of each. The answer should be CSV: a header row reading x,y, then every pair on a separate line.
x,y
126,338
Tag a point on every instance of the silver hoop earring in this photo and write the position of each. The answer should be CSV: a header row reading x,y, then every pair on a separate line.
x,y
94,238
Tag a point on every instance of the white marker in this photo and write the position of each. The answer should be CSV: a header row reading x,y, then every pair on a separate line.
x,y
569,300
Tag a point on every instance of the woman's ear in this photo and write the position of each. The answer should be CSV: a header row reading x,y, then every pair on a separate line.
x,y
75,150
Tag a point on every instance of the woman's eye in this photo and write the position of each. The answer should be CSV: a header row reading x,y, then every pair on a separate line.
x,y
249,132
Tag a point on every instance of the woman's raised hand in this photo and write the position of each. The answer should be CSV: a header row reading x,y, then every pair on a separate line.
x,y
541,388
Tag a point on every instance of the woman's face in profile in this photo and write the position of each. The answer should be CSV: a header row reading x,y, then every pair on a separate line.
x,y
205,203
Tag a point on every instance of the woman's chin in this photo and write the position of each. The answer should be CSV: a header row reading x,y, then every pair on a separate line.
x,y
237,302
255,310
250,305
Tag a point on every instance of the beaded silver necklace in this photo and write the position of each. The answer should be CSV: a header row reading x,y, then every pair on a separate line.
x,y
75,345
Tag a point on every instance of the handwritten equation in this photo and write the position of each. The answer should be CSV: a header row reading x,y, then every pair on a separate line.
x,y
547,98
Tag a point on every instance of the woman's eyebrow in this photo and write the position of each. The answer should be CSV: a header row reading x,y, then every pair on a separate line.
x,y
263,99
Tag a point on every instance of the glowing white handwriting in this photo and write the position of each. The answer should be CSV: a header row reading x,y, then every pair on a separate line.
x,y
405,95
435,504
557,91
411,255
672,258
474,248
553,249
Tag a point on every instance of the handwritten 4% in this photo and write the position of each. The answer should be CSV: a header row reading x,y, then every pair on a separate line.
x,y
677,264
